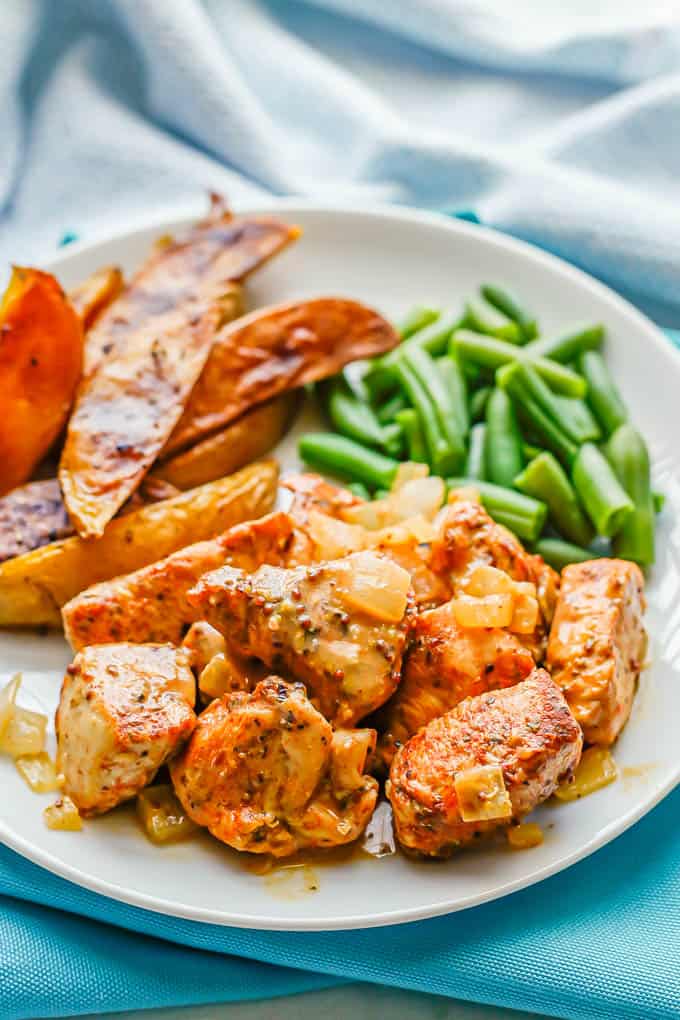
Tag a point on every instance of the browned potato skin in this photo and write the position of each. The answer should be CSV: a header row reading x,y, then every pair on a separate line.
x,y
33,587
276,349
146,353
151,604
30,516
41,358
252,436
91,297
526,729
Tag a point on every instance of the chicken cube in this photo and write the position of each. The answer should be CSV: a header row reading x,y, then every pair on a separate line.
x,y
487,763
445,664
468,537
340,627
150,604
597,644
124,710
264,772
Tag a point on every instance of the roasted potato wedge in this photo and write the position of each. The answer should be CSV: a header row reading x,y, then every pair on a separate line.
x,y
33,587
41,358
145,355
277,349
238,444
91,297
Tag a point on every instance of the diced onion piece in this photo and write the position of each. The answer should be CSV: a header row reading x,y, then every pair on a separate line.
x,y
220,677
203,642
487,611
8,697
421,496
525,614
349,751
481,794
378,839
39,772
63,815
465,494
334,538
596,769
486,580
163,818
526,836
408,472
416,529
24,733
374,585
379,513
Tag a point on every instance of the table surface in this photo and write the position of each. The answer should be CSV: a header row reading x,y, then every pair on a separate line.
x,y
358,1001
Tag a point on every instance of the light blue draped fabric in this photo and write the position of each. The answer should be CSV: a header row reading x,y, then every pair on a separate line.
x,y
559,123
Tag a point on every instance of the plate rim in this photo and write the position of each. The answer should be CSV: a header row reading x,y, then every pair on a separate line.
x,y
174,217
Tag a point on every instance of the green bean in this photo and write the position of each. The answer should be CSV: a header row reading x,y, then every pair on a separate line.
x,y
560,554
529,451
433,379
451,372
416,319
511,307
381,493
381,376
546,431
659,501
360,490
492,353
581,416
347,459
474,464
356,419
441,457
603,396
415,444
503,442
485,319
605,500
627,453
567,347
521,514
545,479
478,403
388,411
523,383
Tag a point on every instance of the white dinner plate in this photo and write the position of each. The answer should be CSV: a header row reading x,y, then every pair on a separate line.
x,y
390,258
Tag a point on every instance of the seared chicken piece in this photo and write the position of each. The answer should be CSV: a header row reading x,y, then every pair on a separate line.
x,y
597,644
341,626
488,762
312,492
219,671
266,773
151,604
124,710
468,537
446,663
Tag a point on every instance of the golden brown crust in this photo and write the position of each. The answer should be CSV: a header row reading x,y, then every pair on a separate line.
x,y
264,773
527,730
597,644
444,665
145,354
276,349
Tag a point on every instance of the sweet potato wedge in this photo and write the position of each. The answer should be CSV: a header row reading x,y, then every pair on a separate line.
x,y
276,349
145,354
41,352
91,297
33,587
246,439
